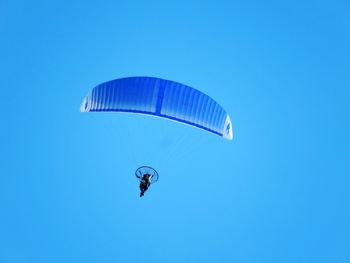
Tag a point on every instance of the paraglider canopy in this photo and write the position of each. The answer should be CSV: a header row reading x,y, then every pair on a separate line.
x,y
161,98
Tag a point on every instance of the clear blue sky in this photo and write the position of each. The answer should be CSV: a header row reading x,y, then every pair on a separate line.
x,y
279,192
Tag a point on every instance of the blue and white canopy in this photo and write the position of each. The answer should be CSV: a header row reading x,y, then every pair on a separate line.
x,y
162,98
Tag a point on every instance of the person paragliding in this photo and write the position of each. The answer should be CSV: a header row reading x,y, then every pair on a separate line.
x,y
145,183
160,98
146,175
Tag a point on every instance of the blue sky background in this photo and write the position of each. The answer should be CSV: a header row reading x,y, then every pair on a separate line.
x,y
279,192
